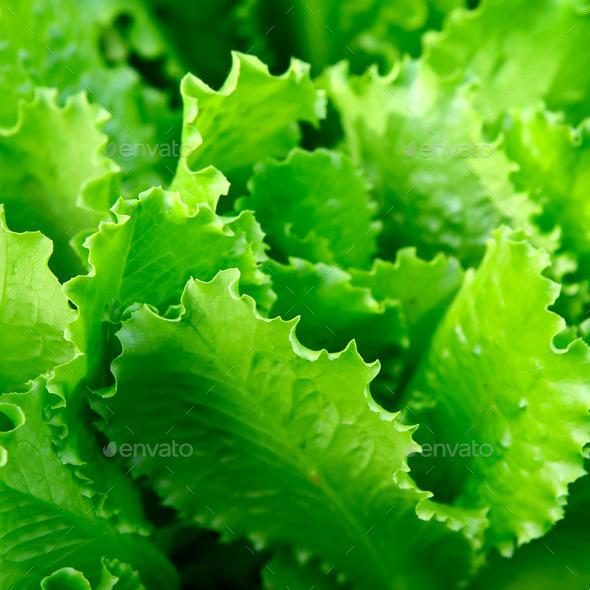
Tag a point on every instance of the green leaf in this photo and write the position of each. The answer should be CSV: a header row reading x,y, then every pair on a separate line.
x,y
87,52
333,311
493,378
285,445
554,166
440,185
314,205
424,290
232,129
147,256
558,560
70,579
518,56
54,178
34,311
46,521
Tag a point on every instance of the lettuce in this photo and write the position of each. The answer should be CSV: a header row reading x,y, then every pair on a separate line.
x,y
294,295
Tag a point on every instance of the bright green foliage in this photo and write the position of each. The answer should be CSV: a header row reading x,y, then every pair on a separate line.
x,y
46,521
216,122
325,323
114,576
334,311
314,205
290,422
54,177
518,55
87,51
440,184
34,312
147,256
493,377
423,290
554,165
324,32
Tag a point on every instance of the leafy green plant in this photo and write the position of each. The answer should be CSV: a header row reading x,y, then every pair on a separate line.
x,y
294,295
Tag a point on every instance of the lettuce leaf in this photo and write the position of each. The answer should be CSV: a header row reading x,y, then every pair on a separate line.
x,y
286,445
86,52
34,311
439,183
493,378
314,205
147,256
518,56
46,521
231,129
54,177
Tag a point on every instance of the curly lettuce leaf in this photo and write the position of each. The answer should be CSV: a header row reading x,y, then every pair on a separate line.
x,y
424,290
286,445
114,576
232,129
492,382
333,311
440,185
46,521
556,561
86,52
54,177
34,311
554,166
156,244
314,205
518,56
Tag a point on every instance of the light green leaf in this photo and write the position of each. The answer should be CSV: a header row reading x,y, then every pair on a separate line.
x,y
511,408
424,290
147,256
314,205
70,579
558,560
232,128
88,51
46,521
281,444
554,166
333,311
54,176
440,185
518,56
34,311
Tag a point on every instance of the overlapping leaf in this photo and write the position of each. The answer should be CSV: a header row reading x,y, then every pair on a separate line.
x,y
46,521
269,420
441,185
518,55
492,382
33,310
54,177
89,52
147,256
314,205
232,129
